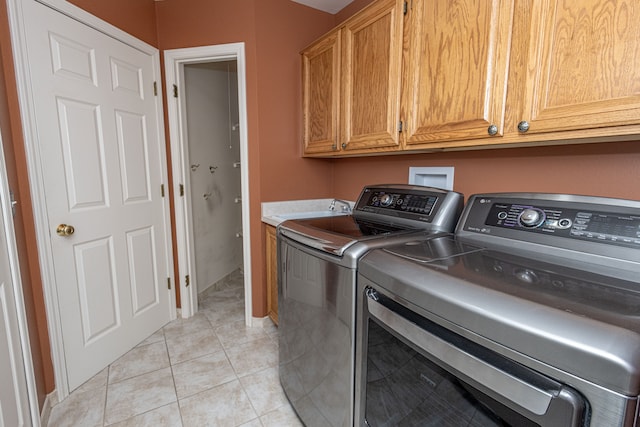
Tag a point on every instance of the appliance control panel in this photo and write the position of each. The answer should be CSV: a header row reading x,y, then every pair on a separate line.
x,y
573,223
554,220
410,206
416,203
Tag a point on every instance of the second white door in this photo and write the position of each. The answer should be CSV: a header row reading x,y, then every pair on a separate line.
x,y
14,394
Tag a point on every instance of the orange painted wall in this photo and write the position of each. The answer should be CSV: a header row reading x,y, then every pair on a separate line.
x,y
283,30
607,169
135,17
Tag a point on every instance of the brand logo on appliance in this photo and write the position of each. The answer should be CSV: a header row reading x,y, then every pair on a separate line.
x,y
479,230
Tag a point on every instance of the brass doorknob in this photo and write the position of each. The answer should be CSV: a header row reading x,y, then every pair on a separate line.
x,y
65,230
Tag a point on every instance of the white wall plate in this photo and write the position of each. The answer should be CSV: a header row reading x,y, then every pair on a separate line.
x,y
439,177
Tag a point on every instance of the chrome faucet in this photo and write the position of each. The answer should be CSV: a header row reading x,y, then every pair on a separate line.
x,y
346,207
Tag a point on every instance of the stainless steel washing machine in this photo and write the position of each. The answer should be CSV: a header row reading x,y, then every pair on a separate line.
x,y
317,261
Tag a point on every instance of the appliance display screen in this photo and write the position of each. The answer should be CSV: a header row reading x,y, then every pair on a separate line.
x,y
613,225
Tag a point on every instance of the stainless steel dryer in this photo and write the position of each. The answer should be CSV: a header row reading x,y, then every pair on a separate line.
x,y
528,316
317,261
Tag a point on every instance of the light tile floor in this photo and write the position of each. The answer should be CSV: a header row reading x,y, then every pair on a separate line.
x,y
209,370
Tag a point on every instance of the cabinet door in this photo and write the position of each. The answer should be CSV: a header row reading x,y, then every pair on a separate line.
x,y
272,273
371,63
320,94
456,64
583,65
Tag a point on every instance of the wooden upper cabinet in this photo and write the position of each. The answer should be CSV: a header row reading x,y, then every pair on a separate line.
x,y
470,73
351,84
583,66
371,64
456,67
320,94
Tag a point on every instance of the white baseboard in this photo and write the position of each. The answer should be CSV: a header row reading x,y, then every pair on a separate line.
x,y
260,322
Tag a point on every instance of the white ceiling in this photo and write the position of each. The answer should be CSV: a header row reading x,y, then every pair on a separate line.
x,y
330,6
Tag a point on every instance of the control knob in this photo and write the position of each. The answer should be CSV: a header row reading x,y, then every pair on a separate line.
x,y
531,217
386,199
564,223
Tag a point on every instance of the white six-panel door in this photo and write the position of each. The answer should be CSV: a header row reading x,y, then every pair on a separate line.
x,y
101,165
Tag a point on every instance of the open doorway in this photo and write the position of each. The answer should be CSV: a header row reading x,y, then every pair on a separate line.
x,y
213,155
207,121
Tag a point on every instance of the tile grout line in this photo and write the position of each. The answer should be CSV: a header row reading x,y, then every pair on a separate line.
x,y
173,379
106,395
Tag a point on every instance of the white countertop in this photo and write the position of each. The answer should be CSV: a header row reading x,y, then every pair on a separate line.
x,y
274,213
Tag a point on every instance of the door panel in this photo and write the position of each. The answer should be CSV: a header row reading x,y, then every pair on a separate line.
x,y
82,149
97,288
321,94
143,266
371,63
73,60
97,123
133,148
127,78
584,65
457,56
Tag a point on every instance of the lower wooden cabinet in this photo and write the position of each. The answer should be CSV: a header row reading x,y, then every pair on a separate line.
x,y
272,272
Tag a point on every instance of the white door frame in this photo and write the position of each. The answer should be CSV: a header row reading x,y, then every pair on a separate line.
x,y
16,283
174,61
34,161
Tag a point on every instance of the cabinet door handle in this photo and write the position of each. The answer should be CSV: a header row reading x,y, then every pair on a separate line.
x,y
523,126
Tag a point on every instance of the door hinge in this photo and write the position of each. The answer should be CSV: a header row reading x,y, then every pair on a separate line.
x,y
400,126
181,190
405,7
169,283
175,91
162,190
155,88
12,198
186,280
